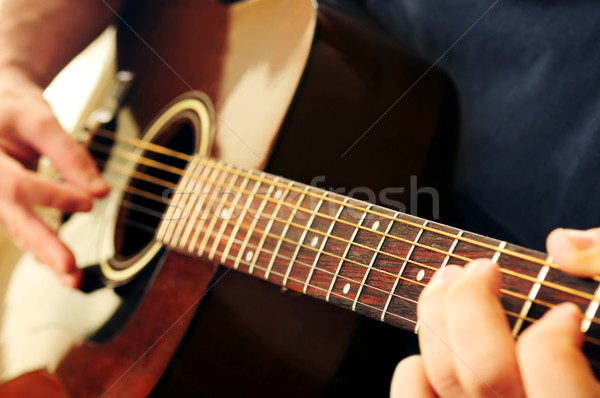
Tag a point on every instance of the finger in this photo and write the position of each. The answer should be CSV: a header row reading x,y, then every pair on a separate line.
x,y
32,235
63,196
555,342
27,188
577,252
410,379
70,159
433,339
483,347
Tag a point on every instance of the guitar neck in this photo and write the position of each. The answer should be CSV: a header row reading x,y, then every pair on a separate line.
x,y
362,257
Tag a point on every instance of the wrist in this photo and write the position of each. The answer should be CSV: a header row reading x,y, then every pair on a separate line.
x,y
16,72
23,71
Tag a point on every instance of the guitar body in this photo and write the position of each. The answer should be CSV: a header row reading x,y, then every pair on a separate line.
x,y
293,102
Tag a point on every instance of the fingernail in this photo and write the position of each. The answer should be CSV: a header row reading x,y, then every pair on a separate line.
x,y
85,205
479,263
445,273
98,185
581,240
71,280
564,311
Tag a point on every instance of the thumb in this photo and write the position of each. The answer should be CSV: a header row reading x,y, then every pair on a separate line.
x,y
576,251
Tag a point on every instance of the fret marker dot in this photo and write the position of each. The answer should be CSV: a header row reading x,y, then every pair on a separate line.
x,y
346,288
375,225
314,241
249,255
420,275
278,194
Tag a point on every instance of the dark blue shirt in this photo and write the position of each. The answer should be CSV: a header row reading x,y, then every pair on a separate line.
x,y
527,74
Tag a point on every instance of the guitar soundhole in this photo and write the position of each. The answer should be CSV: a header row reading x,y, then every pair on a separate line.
x,y
149,190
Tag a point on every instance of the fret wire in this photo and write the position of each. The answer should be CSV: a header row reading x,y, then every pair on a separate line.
x,y
166,219
263,237
253,226
535,288
480,244
370,266
343,258
203,207
224,222
209,212
323,243
451,250
283,232
557,287
302,238
281,238
590,313
173,221
207,215
240,220
234,204
498,252
198,205
159,149
168,226
404,264
188,202
297,207
216,213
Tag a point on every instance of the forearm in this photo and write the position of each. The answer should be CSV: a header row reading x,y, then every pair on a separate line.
x,y
39,37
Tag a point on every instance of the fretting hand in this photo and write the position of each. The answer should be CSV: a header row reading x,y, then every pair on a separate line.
x,y
466,344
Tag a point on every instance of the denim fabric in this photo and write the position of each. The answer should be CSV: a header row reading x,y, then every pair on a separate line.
x,y
527,76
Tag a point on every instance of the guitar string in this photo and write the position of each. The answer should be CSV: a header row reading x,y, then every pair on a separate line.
x,y
124,220
154,164
369,268
374,251
169,152
387,312
233,257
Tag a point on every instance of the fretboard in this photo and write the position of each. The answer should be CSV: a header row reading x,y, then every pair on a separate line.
x,y
359,256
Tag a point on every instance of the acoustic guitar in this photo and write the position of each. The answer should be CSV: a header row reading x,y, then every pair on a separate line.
x,y
208,95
